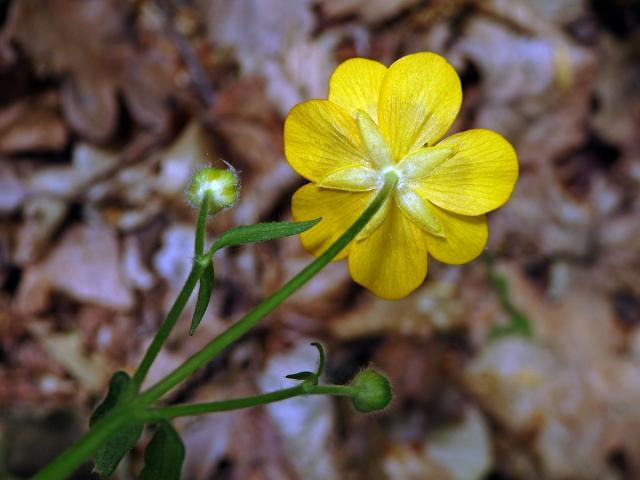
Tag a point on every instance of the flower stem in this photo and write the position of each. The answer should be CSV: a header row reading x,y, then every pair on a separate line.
x,y
181,301
270,303
71,459
79,452
246,402
201,224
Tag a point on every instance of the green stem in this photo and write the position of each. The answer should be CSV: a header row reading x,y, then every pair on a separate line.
x,y
247,402
168,324
79,452
201,224
270,303
339,390
181,301
71,459
225,405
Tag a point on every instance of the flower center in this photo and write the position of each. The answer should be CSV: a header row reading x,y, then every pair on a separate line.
x,y
410,170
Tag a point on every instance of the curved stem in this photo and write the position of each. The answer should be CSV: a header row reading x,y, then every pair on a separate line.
x,y
225,405
80,451
246,402
270,303
72,458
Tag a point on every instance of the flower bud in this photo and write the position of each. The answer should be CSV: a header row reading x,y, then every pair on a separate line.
x,y
371,391
221,185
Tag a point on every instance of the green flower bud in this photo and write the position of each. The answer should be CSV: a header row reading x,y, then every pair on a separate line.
x,y
221,185
372,391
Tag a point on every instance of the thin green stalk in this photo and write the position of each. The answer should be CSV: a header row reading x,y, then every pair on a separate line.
x,y
340,390
225,405
270,303
201,224
71,459
183,297
169,322
80,451
247,402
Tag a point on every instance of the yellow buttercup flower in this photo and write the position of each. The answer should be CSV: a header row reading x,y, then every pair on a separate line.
x,y
380,119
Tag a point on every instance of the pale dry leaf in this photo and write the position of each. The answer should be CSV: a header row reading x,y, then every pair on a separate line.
x,y
278,48
403,463
178,162
174,259
42,217
217,444
135,272
84,264
33,125
618,113
88,164
463,450
369,11
510,375
12,188
89,45
309,437
434,306
68,350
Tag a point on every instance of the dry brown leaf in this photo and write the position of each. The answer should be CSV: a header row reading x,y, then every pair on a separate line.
x,y
33,125
308,438
89,43
88,164
84,265
90,370
275,47
367,10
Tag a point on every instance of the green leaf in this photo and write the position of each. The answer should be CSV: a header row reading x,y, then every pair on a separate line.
x,y
204,296
261,232
116,447
164,455
118,385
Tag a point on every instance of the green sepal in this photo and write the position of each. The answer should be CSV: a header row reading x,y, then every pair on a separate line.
x,y
320,348
204,296
261,232
164,456
310,377
108,456
304,376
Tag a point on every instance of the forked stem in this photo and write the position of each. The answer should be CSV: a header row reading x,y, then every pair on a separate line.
x,y
72,458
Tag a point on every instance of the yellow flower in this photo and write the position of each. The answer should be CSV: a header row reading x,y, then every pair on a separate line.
x,y
379,119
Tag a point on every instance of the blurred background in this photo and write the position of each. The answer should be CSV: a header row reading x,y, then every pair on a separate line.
x,y
524,364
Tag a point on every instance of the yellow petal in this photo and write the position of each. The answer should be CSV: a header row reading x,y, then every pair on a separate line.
x,y
338,209
320,137
355,85
351,178
464,237
392,261
419,100
479,177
